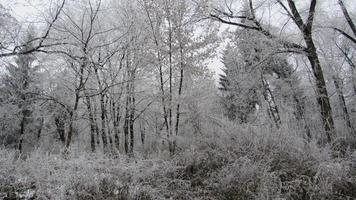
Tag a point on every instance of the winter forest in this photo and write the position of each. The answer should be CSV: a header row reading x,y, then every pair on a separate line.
x,y
178,99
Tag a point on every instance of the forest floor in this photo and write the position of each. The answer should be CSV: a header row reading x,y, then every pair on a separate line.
x,y
238,166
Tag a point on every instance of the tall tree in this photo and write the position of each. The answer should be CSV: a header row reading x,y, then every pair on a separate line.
x,y
305,27
21,89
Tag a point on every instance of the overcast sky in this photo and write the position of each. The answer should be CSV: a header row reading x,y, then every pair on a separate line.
x,y
29,11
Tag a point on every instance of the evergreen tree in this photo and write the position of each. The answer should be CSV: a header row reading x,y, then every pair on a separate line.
x,y
256,78
19,89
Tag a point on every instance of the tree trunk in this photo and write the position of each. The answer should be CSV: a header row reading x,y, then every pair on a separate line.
x,y
180,89
143,133
170,103
299,112
346,115
132,117
116,118
159,59
91,123
24,110
127,108
22,132
72,113
272,106
126,125
60,126
97,136
40,127
347,17
109,132
321,91
72,117
103,125
102,112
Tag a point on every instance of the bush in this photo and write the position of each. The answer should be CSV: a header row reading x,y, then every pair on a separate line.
x,y
249,164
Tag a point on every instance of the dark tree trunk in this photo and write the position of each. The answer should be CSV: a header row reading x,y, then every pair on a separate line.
x,y
143,132
126,125
91,123
159,59
22,132
306,29
40,127
347,17
179,89
321,90
132,112
60,126
338,85
127,109
109,132
102,111
322,93
72,113
299,113
97,132
71,121
272,106
24,104
171,142
103,125
116,118
131,122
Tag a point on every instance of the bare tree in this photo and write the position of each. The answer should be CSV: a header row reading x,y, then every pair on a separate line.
x,y
38,44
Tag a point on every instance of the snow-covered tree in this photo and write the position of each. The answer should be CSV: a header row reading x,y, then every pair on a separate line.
x,y
20,87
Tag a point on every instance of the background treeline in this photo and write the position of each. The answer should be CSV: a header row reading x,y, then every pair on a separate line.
x,y
116,100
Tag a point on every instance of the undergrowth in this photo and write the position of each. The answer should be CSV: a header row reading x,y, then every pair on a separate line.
x,y
250,164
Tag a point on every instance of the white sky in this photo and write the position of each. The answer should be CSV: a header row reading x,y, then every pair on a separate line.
x,y
28,11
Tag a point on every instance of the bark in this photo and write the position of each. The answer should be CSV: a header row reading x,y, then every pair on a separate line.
x,y
24,104
127,109
102,111
170,100
179,89
132,113
40,127
91,123
60,126
143,133
347,16
107,121
346,115
116,121
131,122
321,90
22,131
126,124
72,117
78,89
97,136
103,123
272,106
299,108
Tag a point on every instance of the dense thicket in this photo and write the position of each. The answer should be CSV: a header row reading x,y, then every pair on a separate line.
x,y
117,100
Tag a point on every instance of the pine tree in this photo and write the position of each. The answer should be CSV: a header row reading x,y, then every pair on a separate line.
x,y
253,78
19,91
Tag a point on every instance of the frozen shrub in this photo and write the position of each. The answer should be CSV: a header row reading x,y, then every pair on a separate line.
x,y
251,163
